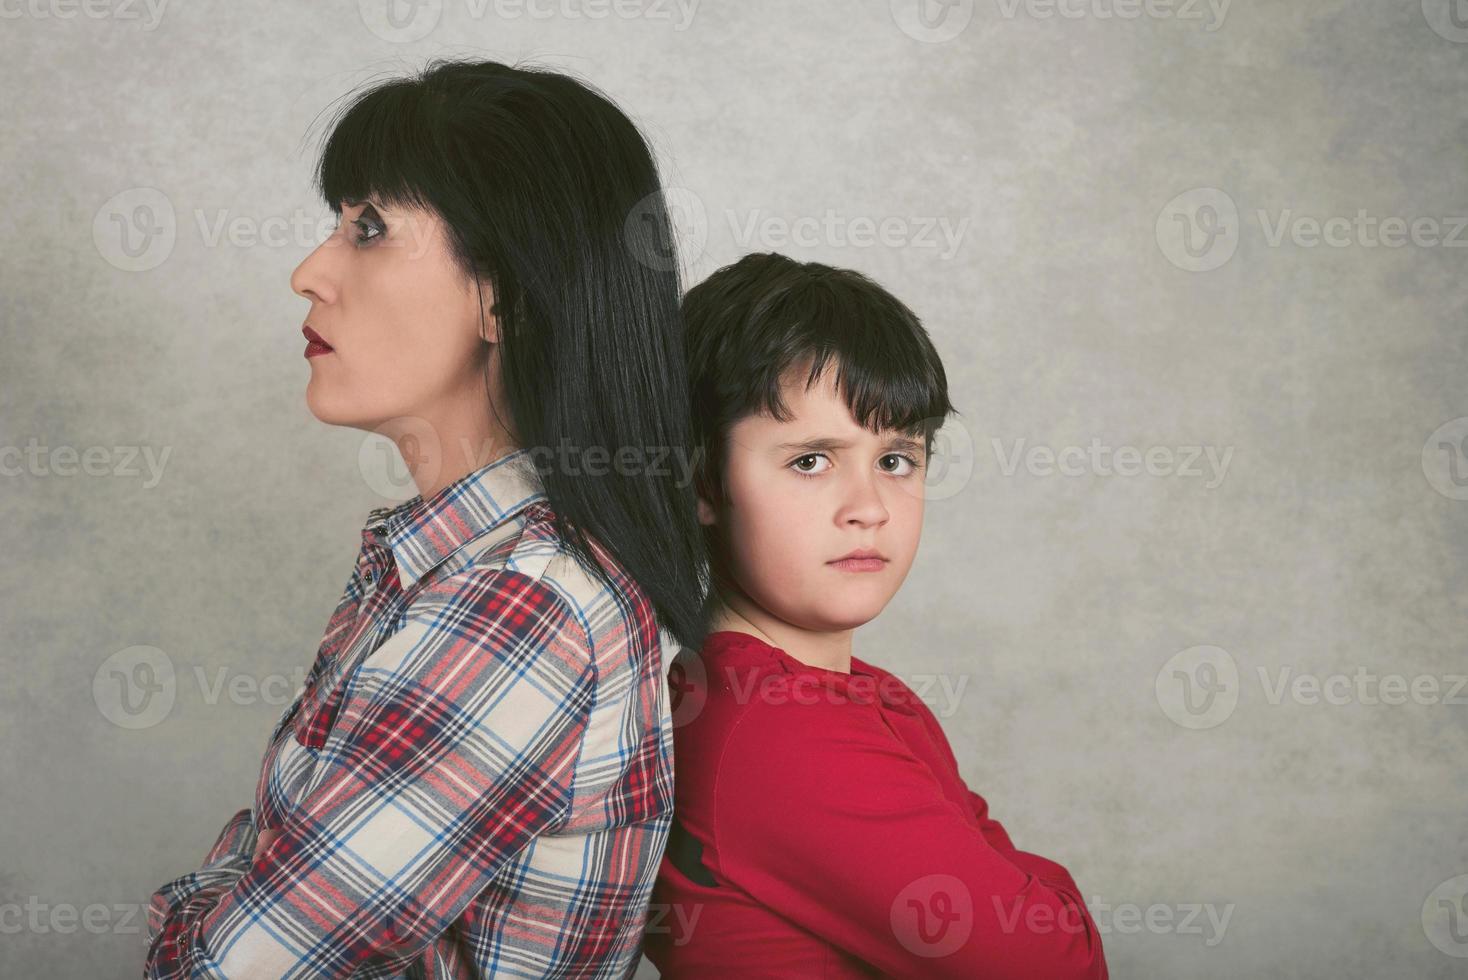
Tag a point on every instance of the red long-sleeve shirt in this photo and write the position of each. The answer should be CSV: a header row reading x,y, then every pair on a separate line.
x,y
821,829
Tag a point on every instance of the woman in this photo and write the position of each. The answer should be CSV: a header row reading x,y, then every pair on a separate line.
x,y
821,826
476,779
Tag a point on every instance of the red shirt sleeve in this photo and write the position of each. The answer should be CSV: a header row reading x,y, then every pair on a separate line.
x,y
826,817
1042,867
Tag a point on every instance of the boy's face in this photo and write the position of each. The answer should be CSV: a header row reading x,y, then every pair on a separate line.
x,y
794,508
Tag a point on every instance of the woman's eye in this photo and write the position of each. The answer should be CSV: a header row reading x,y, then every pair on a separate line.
x,y
368,232
796,465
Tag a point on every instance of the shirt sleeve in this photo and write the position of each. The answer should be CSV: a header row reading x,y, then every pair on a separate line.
x,y
828,819
226,861
452,747
1043,868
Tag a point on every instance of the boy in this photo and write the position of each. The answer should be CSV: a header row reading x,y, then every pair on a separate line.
x,y
821,827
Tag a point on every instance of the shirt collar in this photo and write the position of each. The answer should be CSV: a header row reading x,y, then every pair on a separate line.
x,y
421,533
866,683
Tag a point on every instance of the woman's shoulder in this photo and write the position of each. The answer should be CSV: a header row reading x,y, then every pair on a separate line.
x,y
528,570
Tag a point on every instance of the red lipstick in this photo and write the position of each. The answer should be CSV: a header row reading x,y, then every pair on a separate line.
x,y
315,345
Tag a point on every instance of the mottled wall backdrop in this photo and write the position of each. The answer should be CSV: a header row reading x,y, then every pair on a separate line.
x,y
1190,602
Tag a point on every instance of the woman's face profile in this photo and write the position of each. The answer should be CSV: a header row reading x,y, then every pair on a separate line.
x,y
400,316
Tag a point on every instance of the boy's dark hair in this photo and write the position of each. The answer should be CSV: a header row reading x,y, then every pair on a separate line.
x,y
752,321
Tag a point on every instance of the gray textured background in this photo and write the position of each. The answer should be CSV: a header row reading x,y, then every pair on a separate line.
x,y
1067,156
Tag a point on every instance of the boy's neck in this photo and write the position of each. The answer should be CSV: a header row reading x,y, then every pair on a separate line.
x,y
829,651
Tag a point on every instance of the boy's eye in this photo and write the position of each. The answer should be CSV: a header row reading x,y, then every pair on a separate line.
x,y
901,460
803,471
897,464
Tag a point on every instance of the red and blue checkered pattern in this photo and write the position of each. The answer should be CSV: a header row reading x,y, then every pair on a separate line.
x,y
475,780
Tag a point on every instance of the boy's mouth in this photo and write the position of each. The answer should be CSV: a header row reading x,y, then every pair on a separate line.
x,y
860,560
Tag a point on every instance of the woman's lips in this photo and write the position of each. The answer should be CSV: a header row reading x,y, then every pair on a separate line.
x,y
315,346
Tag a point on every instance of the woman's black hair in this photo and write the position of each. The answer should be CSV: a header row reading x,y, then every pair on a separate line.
x,y
752,322
552,195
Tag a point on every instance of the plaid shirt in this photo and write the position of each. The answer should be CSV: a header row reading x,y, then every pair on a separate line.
x,y
475,780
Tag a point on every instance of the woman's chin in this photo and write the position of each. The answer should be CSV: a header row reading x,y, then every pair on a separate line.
x,y
323,408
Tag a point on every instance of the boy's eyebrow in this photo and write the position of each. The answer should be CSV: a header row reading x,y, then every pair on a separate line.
x,y
826,442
